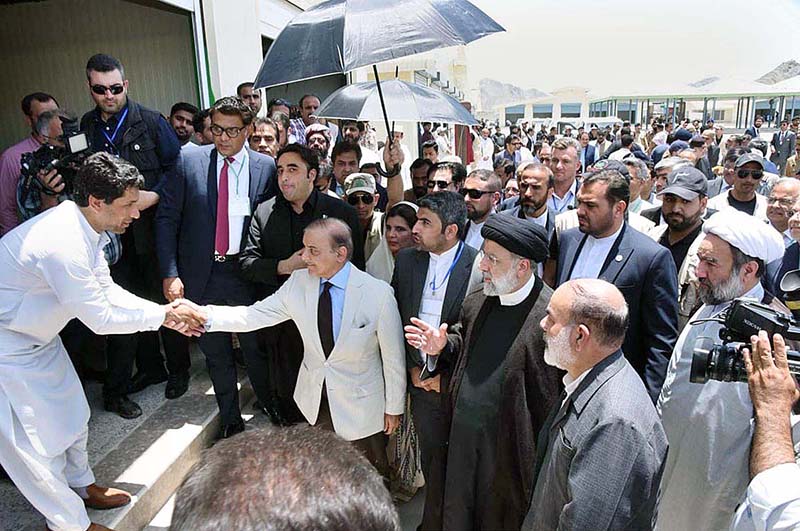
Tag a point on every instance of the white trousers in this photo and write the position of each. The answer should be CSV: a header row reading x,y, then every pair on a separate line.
x,y
46,482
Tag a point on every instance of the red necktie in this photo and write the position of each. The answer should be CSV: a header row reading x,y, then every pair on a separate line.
x,y
221,238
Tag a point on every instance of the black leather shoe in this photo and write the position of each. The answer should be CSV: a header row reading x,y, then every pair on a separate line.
x,y
142,381
177,385
123,406
231,429
274,414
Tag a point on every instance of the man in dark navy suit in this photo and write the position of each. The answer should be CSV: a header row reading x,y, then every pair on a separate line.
x,y
604,246
201,228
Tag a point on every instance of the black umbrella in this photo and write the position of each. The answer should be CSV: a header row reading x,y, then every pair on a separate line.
x,y
409,102
338,36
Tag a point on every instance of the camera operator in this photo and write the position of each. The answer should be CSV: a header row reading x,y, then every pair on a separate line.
x,y
708,426
773,496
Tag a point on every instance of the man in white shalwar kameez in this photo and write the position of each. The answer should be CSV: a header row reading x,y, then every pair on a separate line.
x,y
709,426
52,269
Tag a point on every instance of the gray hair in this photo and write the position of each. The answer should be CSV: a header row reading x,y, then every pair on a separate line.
x,y
42,126
537,166
337,230
642,172
607,323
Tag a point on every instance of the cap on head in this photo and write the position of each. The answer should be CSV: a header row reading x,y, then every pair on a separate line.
x,y
687,183
359,182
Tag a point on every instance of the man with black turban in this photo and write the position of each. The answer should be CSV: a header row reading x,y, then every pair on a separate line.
x,y
501,389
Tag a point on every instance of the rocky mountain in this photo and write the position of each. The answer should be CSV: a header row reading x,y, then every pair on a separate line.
x,y
494,93
703,82
782,72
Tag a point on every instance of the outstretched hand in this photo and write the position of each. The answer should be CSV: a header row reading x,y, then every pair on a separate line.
x,y
429,339
185,317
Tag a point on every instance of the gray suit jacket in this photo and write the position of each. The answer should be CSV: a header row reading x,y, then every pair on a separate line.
x,y
783,150
604,457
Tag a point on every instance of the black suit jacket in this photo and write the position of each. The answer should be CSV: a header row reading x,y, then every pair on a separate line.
x,y
550,225
270,240
653,214
187,215
645,273
410,270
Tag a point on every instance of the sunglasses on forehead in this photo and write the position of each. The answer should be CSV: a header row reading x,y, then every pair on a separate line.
x,y
100,90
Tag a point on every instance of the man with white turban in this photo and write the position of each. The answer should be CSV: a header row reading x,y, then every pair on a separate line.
x,y
709,426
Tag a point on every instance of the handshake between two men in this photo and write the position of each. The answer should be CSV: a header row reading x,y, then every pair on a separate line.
x,y
185,317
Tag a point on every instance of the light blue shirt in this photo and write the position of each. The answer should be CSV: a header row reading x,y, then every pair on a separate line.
x,y
559,204
339,281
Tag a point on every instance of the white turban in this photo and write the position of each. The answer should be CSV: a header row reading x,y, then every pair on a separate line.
x,y
750,235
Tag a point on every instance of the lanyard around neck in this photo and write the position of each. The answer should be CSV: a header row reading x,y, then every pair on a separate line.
x,y
434,287
113,136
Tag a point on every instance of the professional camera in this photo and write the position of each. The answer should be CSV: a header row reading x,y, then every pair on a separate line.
x,y
742,319
66,160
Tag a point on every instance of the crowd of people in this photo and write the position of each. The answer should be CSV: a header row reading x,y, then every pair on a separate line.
x,y
512,323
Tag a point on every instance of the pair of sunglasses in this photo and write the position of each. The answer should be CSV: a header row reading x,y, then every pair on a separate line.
x,y
100,90
473,193
753,174
360,198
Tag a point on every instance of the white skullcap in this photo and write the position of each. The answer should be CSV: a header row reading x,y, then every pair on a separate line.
x,y
750,235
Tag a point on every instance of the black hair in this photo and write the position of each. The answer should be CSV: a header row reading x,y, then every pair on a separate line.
x,y
300,477
199,120
246,84
41,97
307,96
233,105
105,177
431,144
449,207
457,170
618,187
420,163
184,106
308,155
104,63
345,146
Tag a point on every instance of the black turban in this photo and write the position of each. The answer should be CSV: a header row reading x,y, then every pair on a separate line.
x,y
522,237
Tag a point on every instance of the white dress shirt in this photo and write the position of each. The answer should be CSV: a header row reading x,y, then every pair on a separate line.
x,y
430,308
570,383
238,191
542,222
516,297
593,256
773,501
473,237
53,270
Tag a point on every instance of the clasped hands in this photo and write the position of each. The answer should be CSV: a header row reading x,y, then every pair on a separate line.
x,y
186,317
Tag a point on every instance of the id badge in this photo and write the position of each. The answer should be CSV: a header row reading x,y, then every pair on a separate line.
x,y
239,206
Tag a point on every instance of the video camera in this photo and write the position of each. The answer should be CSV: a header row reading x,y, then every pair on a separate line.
x,y
742,319
66,160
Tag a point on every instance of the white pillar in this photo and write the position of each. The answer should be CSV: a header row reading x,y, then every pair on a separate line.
x,y
234,43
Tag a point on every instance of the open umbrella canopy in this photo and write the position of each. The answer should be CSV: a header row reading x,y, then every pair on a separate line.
x,y
338,36
405,102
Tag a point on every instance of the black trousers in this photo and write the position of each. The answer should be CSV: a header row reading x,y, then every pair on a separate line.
x,y
280,355
226,288
430,421
137,273
372,447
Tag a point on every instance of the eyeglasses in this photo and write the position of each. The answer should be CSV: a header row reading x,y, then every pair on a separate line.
x,y
115,89
355,199
232,132
492,259
440,184
753,174
473,193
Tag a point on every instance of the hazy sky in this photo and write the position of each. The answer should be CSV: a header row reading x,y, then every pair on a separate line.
x,y
609,45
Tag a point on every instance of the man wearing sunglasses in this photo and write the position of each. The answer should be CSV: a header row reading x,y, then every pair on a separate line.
x,y
748,172
481,194
143,137
360,192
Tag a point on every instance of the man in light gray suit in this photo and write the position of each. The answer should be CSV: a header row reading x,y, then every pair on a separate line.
x,y
353,376
783,145
601,453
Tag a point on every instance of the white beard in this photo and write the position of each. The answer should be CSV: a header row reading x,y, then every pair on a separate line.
x,y
557,352
500,285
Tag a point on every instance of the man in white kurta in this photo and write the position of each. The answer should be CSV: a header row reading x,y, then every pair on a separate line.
x,y
709,426
52,269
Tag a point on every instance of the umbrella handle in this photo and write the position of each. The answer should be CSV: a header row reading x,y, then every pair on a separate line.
x,y
383,104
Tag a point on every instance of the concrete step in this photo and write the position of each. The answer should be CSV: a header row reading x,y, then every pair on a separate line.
x,y
152,459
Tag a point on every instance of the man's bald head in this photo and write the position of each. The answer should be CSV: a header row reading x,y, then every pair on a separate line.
x,y
781,201
601,307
